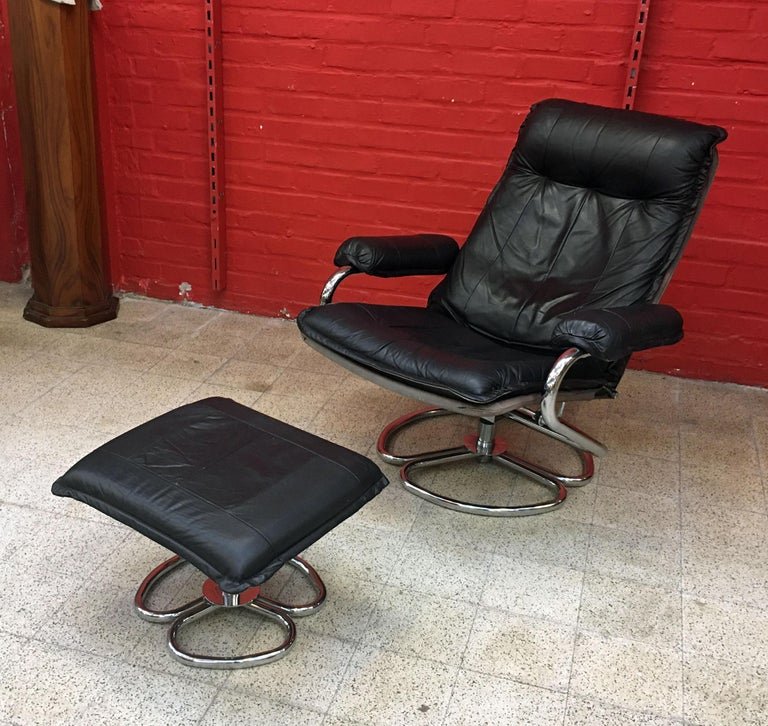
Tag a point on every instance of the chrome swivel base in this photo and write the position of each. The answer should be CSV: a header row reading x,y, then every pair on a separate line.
x,y
212,599
485,448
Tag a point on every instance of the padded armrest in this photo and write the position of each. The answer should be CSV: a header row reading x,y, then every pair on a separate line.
x,y
398,256
614,333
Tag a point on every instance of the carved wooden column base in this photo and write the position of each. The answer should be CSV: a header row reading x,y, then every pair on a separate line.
x,y
70,317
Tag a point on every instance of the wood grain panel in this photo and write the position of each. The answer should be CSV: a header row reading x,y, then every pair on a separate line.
x,y
51,58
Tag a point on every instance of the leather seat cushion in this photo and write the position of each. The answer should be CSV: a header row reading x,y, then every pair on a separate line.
x,y
234,492
426,348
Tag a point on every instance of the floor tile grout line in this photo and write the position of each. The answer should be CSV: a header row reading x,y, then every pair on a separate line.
x,y
359,645
213,700
167,306
43,392
242,690
114,524
169,353
117,660
609,704
577,629
519,681
681,704
762,460
224,364
489,562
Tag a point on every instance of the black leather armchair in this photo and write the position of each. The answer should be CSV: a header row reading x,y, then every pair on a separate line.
x,y
556,286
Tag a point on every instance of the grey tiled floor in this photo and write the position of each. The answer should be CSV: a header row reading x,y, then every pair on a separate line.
x,y
642,601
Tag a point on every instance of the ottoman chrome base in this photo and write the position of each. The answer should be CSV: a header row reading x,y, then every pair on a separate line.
x,y
212,599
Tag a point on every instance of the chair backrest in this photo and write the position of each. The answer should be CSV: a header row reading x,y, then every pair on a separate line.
x,y
593,210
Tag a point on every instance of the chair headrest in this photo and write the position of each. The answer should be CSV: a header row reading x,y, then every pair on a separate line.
x,y
621,153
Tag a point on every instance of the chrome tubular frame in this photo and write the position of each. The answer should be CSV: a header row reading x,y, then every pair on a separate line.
x,y
213,599
485,448
333,282
300,611
488,448
160,616
230,663
576,438
526,417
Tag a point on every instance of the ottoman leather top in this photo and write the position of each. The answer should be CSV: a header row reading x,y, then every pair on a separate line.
x,y
234,492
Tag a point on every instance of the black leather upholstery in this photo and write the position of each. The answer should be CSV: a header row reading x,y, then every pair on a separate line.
x,y
615,333
427,348
233,491
591,213
398,256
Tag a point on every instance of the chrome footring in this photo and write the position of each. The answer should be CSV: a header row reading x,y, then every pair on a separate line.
x,y
279,612
229,663
485,450
558,491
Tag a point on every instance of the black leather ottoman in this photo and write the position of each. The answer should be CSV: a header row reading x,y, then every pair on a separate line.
x,y
233,492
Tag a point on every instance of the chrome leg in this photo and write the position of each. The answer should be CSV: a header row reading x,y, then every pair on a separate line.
x,y
386,436
558,490
228,663
485,448
485,439
152,579
540,476
326,297
300,611
549,404
529,418
213,599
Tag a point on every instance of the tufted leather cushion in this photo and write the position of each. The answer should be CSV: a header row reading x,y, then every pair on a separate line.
x,y
592,211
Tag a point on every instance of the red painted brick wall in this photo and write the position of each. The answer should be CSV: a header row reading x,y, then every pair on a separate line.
x,y
342,117
710,62
347,116
13,226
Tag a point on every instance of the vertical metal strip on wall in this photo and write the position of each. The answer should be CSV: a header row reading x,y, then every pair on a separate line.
x,y
636,53
215,140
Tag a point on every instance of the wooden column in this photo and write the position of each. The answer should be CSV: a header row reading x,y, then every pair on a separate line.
x,y
52,66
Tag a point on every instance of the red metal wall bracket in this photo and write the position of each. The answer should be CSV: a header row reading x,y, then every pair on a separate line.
x,y
215,141
636,53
